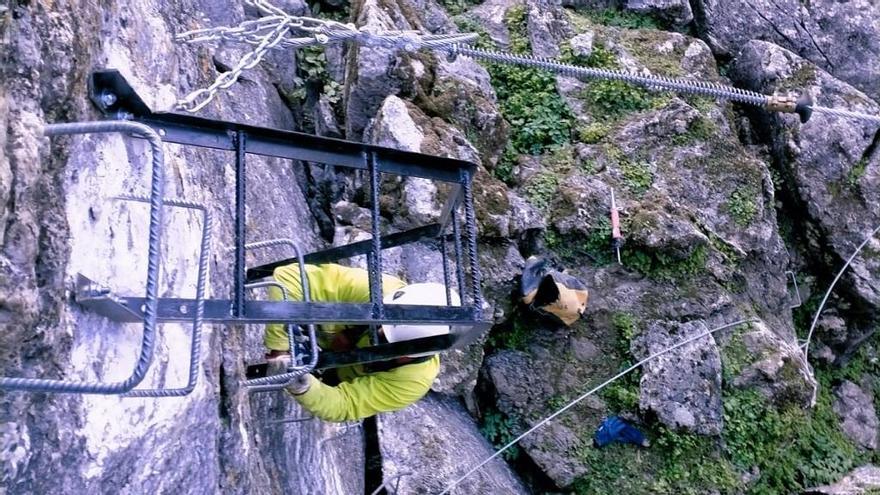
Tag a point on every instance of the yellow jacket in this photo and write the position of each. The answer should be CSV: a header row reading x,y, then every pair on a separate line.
x,y
360,393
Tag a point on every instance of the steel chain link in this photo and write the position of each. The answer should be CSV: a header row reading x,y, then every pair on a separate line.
x,y
280,30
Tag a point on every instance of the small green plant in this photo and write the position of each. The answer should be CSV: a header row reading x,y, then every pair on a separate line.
x,y
625,324
513,336
541,189
539,117
593,133
664,267
741,206
457,7
615,98
637,175
498,428
620,18
856,173
503,170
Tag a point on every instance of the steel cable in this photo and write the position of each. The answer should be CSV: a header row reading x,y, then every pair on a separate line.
x,y
591,392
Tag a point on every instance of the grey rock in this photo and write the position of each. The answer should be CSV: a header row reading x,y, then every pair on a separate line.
x,y
563,469
841,37
775,367
861,480
438,434
582,44
500,266
217,439
855,408
373,73
832,168
325,119
547,27
676,12
524,218
490,14
335,54
683,387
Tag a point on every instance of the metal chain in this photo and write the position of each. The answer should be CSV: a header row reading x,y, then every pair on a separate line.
x,y
197,100
281,31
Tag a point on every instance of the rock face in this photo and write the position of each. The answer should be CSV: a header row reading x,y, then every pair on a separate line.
x,y
841,38
774,366
857,416
431,444
682,387
864,479
830,168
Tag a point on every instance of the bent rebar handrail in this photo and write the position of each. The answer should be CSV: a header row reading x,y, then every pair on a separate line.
x,y
201,282
157,190
278,382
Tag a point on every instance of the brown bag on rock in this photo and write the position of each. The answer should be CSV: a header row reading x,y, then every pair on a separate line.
x,y
549,291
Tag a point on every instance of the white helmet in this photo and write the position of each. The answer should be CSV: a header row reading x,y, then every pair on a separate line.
x,y
426,294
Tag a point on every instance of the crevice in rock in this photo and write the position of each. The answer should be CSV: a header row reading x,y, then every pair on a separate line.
x,y
373,477
528,471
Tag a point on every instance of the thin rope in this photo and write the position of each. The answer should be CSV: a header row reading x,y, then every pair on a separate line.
x,y
831,288
591,392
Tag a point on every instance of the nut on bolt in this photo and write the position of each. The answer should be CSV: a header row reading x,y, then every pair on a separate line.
x,y
108,99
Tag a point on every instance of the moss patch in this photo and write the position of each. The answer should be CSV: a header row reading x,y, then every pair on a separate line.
x,y
741,206
538,116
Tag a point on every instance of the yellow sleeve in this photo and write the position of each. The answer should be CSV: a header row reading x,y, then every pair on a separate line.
x,y
362,397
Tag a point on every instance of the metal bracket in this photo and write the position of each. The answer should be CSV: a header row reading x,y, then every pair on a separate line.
x,y
797,291
99,299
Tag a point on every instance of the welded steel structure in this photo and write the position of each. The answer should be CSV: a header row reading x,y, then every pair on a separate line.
x,y
112,94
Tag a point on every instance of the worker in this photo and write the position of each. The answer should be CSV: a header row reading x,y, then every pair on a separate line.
x,y
363,390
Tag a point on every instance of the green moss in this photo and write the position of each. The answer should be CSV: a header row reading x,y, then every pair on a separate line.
x,y
499,429
856,173
741,206
593,133
538,116
637,175
573,248
661,266
734,357
699,130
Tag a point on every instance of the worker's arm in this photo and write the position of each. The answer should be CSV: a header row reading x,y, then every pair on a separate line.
x,y
362,397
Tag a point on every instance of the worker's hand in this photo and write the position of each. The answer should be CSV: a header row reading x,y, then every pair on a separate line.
x,y
300,384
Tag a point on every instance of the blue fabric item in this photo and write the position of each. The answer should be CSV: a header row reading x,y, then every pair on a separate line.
x,y
614,429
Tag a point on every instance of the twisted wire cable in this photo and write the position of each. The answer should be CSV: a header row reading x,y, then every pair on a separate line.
x,y
681,86
589,393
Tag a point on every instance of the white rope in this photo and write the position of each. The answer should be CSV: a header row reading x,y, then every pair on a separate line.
x,y
828,293
591,392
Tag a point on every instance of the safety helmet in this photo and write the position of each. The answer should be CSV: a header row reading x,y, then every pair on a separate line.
x,y
424,294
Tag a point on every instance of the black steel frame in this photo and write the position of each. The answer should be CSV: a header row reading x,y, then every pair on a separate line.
x,y
116,98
